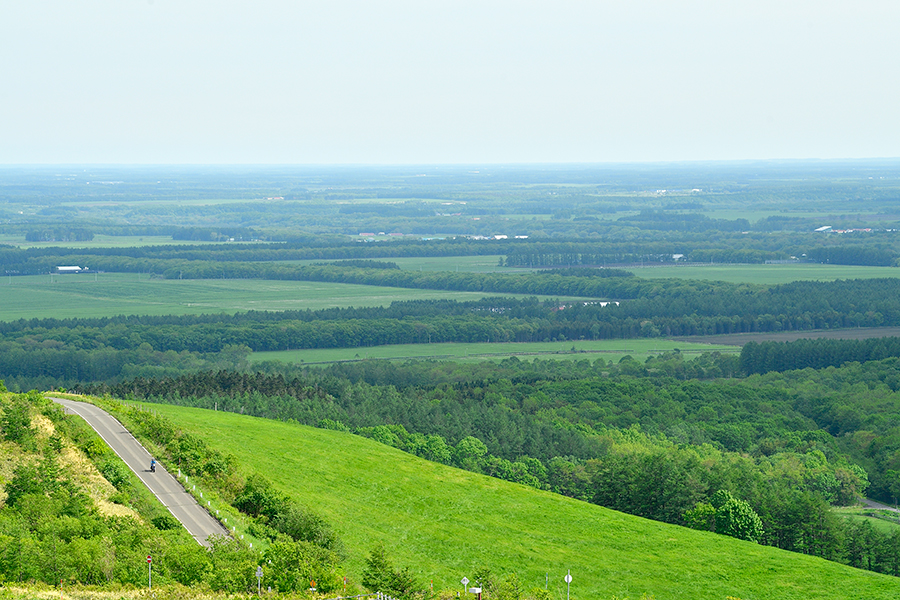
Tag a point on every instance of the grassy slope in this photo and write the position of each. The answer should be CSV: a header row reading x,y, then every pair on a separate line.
x,y
445,522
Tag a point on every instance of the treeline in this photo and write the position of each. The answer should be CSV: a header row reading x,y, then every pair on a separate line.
x,y
214,234
854,255
75,234
667,220
710,255
762,357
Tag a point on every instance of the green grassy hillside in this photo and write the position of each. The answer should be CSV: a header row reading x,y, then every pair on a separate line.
x,y
444,523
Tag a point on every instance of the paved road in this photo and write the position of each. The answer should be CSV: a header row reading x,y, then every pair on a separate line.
x,y
877,505
164,486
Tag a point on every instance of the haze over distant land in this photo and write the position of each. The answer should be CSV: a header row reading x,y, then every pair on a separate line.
x,y
277,81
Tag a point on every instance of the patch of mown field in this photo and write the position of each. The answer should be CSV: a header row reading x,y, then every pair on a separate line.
x,y
591,350
764,274
444,523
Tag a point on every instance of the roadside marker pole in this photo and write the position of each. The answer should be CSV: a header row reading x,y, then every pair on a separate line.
x,y
149,573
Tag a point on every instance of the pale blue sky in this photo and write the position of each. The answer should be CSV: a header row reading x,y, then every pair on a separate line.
x,y
202,81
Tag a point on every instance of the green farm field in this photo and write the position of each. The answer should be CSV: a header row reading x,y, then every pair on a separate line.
x,y
639,349
109,294
765,274
470,264
444,523
467,264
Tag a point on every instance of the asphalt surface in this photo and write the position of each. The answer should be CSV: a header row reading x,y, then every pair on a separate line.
x,y
195,518
877,505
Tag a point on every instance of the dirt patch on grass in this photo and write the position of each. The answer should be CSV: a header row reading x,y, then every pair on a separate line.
x,y
89,479
739,339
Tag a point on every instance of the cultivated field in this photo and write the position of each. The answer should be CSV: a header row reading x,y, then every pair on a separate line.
x,y
765,274
608,350
444,523
463,264
137,294
739,339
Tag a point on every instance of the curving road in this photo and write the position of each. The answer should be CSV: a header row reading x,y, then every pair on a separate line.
x,y
199,523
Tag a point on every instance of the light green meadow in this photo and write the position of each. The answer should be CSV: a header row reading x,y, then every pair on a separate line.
x,y
608,350
462,264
